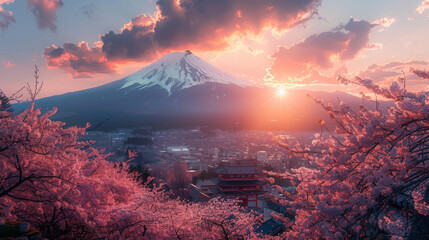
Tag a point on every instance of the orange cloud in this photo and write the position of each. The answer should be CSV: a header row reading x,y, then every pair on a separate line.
x,y
80,60
192,24
140,20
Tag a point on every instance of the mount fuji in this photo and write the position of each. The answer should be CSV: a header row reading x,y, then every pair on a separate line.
x,y
182,90
178,90
177,71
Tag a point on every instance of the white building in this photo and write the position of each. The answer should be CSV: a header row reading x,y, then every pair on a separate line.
x,y
178,150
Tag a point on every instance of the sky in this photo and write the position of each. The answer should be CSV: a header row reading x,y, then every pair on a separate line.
x,y
79,44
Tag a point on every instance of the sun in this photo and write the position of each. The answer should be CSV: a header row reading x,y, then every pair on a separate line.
x,y
281,92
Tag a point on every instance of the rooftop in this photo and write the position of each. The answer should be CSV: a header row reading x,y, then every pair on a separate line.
x,y
236,192
271,227
242,183
240,169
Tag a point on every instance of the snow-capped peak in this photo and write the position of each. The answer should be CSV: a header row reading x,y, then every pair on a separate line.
x,y
179,70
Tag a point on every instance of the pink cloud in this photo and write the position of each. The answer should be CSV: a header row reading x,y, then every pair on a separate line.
x,y
385,22
8,64
421,73
385,74
423,6
80,60
321,51
375,46
391,71
45,12
6,17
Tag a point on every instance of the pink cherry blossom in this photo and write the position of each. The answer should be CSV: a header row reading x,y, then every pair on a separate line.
x,y
370,176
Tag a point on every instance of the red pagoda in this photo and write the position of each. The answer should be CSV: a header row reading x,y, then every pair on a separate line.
x,y
242,182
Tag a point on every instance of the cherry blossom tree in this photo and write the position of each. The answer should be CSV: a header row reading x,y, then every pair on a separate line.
x,y
67,189
369,177
48,180
179,179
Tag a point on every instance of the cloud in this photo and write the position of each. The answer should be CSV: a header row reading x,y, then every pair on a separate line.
x,y
139,21
199,25
135,42
421,73
202,25
321,51
8,64
211,23
385,22
391,71
423,6
45,12
6,17
385,74
375,46
80,60
6,2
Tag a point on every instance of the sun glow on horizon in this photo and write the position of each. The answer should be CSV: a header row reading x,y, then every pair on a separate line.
x,y
281,92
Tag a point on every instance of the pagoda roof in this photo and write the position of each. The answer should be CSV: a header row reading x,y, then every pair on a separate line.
x,y
225,193
241,183
208,182
239,169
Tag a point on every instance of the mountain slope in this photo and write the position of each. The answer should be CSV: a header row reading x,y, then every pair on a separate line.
x,y
181,90
179,70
